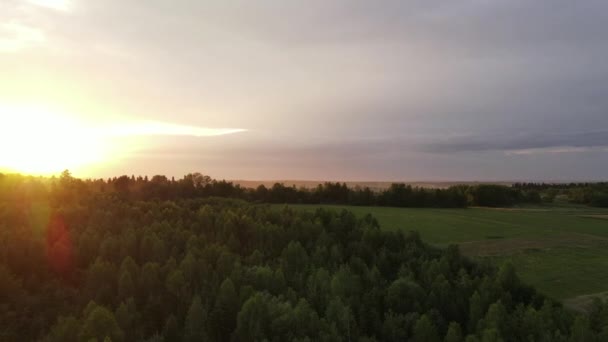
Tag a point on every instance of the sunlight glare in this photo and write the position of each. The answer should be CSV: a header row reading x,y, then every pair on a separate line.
x,y
39,141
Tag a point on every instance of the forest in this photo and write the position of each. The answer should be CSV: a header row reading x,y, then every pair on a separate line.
x,y
165,260
196,185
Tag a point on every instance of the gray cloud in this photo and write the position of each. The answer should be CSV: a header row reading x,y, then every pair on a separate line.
x,y
388,159
387,147
514,142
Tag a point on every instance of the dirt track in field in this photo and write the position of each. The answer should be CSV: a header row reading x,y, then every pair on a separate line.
x,y
493,247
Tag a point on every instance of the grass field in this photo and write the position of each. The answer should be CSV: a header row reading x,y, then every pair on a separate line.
x,y
563,251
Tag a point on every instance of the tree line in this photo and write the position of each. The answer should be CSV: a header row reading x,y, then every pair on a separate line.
x,y
78,265
196,185
590,193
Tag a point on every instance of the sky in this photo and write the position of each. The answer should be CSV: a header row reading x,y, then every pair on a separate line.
x,y
308,90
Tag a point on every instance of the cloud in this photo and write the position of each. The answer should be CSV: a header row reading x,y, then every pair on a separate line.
x,y
15,36
58,5
389,149
146,128
551,150
522,143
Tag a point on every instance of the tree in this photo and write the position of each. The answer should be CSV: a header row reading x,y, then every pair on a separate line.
x,y
155,338
341,316
318,289
454,333
65,330
171,330
177,286
126,286
425,331
223,316
99,324
507,278
581,331
101,281
496,317
196,322
306,321
121,185
295,259
252,320
259,315
345,284
476,310
150,279
491,335
128,264
128,319
403,296
395,327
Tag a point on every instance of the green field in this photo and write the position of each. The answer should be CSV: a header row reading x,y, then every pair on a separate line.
x,y
562,251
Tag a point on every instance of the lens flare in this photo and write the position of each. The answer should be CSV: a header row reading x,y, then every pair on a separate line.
x,y
59,246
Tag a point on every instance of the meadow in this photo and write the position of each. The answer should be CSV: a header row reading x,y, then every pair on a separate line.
x,y
561,250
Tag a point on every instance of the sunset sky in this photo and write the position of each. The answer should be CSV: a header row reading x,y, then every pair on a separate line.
x,y
319,90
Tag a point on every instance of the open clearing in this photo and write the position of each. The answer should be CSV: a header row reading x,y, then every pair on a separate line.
x,y
559,250
582,303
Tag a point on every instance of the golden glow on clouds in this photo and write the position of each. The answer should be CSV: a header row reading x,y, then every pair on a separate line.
x,y
163,128
37,140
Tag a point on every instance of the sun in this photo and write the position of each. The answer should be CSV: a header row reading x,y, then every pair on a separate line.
x,y
36,140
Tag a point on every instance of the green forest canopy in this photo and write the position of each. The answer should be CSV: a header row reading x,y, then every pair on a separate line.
x,y
82,265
